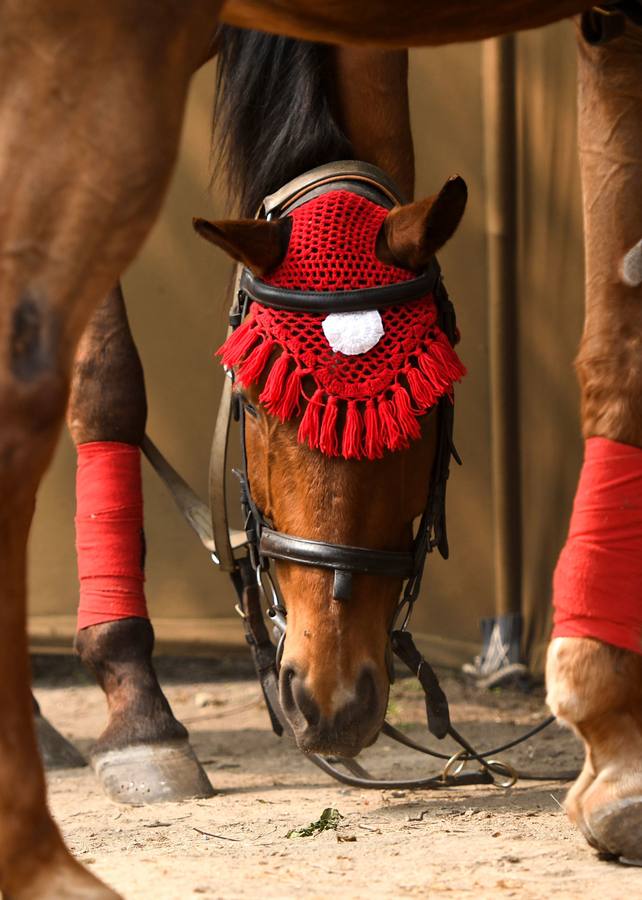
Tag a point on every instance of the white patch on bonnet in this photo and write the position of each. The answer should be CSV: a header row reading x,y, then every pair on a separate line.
x,y
352,333
631,270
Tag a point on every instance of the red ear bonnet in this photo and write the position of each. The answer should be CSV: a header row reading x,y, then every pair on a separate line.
x,y
358,381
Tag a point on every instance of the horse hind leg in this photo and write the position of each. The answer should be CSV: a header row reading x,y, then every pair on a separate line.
x,y
143,755
56,751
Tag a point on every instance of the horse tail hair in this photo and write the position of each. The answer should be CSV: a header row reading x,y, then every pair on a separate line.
x,y
273,116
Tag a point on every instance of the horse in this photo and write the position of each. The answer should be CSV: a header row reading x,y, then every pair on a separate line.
x,y
95,96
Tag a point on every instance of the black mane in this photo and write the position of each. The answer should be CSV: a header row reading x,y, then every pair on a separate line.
x,y
272,113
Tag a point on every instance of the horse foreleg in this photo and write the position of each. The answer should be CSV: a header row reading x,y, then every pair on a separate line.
x,y
370,90
90,117
143,755
33,860
594,668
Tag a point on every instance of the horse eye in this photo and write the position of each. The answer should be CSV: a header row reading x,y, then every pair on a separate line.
x,y
250,410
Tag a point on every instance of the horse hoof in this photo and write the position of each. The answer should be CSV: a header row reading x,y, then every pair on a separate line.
x,y
617,829
152,773
55,750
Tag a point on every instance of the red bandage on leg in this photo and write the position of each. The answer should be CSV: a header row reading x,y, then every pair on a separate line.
x,y
597,587
109,533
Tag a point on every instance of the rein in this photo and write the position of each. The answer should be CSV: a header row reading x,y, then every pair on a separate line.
x,y
246,554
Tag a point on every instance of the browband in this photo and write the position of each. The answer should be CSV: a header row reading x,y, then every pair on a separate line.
x,y
341,301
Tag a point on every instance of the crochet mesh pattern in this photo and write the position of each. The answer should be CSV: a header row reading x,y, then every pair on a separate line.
x,y
363,404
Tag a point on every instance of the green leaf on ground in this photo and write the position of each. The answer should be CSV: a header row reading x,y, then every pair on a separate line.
x,y
327,821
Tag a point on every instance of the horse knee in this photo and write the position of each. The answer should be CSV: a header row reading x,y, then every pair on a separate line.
x,y
31,410
34,392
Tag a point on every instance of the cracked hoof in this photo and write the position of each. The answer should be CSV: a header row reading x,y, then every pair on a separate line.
x,y
56,751
617,829
152,773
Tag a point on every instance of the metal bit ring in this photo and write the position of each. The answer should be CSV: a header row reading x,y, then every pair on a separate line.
x,y
455,765
507,774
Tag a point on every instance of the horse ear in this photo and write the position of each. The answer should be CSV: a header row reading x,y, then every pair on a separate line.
x,y
411,234
257,243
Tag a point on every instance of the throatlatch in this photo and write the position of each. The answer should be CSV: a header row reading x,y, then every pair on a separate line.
x,y
406,365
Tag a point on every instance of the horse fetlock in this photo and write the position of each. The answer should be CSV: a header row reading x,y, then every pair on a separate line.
x,y
587,680
119,656
597,690
138,716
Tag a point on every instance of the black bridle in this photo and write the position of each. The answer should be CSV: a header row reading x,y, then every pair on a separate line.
x,y
246,555
343,561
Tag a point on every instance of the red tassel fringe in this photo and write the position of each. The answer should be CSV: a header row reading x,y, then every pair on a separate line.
x,y
288,405
453,367
251,369
393,437
238,344
373,437
385,423
406,418
310,428
275,382
423,392
329,440
351,447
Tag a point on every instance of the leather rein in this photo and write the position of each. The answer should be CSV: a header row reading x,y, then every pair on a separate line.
x,y
246,554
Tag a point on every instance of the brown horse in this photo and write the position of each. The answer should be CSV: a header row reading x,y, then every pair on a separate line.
x,y
91,106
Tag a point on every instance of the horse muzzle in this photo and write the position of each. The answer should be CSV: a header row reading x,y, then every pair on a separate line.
x,y
339,725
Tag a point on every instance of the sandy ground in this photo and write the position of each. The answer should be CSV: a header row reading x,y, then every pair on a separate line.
x,y
475,842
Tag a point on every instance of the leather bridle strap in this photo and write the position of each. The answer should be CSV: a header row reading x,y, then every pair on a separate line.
x,y
217,480
342,559
346,173
326,302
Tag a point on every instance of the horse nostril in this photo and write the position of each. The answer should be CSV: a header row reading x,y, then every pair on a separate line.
x,y
295,698
367,693
287,676
306,704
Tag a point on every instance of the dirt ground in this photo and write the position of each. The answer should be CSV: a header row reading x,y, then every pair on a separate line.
x,y
475,842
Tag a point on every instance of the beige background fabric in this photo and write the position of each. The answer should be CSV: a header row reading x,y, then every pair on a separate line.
x,y
176,295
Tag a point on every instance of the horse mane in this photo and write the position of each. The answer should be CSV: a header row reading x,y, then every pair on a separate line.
x,y
273,116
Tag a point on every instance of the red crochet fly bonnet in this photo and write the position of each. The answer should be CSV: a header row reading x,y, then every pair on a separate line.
x,y
361,381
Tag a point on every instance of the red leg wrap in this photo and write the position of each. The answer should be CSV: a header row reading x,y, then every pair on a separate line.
x,y
109,533
597,587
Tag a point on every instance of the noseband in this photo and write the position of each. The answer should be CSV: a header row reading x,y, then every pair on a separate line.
x,y
246,554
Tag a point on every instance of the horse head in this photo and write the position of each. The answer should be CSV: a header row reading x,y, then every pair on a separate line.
x,y
340,433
